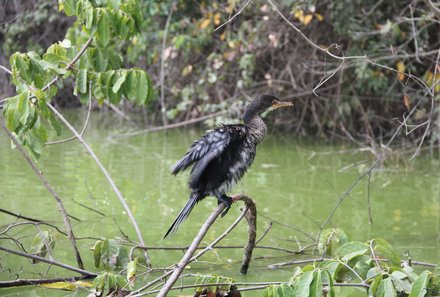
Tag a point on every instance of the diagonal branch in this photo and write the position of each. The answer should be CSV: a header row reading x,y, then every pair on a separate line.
x,y
51,190
107,176
52,262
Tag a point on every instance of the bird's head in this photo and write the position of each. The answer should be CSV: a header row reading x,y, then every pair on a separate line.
x,y
262,104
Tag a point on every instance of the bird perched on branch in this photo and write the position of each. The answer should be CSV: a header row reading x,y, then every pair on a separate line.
x,y
221,157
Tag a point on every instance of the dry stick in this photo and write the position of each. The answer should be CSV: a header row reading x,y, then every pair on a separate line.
x,y
345,58
187,257
107,176
42,259
51,191
370,216
326,50
234,16
170,126
249,211
365,173
251,218
425,133
184,248
19,216
85,124
194,246
32,282
163,109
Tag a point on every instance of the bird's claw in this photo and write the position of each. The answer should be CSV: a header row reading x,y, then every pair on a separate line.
x,y
228,207
228,202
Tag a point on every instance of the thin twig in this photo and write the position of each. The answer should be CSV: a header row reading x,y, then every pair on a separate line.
x,y
85,124
42,259
234,16
170,126
19,216
107,176
6,69
33,282
431,110
364,173
163,108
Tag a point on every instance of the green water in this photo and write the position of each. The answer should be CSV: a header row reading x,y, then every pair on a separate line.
x,y
294,182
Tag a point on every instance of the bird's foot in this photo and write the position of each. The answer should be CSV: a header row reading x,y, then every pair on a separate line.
x,y
228,202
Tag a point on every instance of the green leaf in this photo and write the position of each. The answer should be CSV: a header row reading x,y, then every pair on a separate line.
x,y
41,242
140,87
54,123
12,121
113,255
117,85
81,81
316,286
409,271
131,271
331,288
283,290
269,291
383,249
375,285
23,107
35,139
401,282
389,288
21,65
97,253
98,58
420,285
68,6
103,32
302,288
352,250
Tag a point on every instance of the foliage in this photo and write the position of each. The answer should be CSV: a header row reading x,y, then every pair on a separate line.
x,y
42,243
207,71
97,71
110,254
374,265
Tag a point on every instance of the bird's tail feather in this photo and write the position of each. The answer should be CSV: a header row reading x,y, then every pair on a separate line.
x,y
184,213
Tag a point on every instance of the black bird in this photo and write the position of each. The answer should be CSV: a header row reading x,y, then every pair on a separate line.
x,y
221,157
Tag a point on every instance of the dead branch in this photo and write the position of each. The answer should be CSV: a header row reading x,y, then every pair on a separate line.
x,y
170,126
187,257
32,282
107,176
251,218
51,190
45,260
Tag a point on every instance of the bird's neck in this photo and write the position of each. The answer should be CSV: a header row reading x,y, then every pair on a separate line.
x,y
257,127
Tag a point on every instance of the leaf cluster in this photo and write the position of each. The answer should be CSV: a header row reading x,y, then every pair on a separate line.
x,y
96,69
373,265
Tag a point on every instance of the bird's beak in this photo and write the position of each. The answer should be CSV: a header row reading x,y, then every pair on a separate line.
x,y
277,104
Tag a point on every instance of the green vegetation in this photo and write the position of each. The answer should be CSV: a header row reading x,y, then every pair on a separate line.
x,y
180,60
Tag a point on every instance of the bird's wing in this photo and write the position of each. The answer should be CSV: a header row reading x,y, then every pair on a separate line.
x,y
204,150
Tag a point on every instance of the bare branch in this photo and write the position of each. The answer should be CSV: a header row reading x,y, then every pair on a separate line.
x,y
171,126
187,257
234,16
85,124
107,176
51,191
52,262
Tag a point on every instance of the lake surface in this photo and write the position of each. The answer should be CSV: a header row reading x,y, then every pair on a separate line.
x,y
295,183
